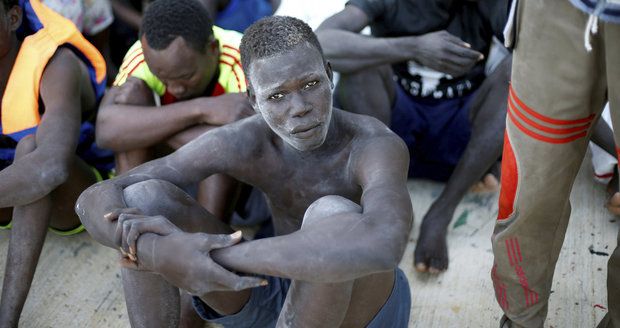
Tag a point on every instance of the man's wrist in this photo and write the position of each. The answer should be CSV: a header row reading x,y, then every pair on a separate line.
x,y
403,48
199,115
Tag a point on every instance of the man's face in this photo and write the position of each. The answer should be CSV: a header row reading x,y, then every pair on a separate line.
x,y
185,71
293,93
10,19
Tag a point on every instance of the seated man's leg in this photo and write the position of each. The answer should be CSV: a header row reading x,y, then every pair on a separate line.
x,y
370,92
29,227
488,115
350,303
315,304
151,301
219,194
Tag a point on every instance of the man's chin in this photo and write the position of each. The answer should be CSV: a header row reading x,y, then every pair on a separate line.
x,y
306,145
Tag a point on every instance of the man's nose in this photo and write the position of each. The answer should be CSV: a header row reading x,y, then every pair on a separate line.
x,y
300,107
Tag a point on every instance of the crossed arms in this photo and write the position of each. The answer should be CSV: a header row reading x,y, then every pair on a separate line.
x,y
348,246
130,108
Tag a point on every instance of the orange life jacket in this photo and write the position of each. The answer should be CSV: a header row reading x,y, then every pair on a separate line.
x,y
44,32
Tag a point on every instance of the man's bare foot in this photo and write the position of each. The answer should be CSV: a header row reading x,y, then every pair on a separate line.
x,y
490,181
431,251
488,184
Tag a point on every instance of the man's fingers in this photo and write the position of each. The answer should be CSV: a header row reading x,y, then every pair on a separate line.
x,y
221,241
236,282
250,282
113,215
132,237
126,226
465,52
129,264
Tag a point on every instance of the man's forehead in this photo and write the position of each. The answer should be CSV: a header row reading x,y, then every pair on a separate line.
x,y
297,63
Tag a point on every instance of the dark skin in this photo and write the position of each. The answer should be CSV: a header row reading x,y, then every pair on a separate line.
x,y
131,107
46,177
288,151
365,67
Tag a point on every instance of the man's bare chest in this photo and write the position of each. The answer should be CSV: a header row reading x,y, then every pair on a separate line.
x,y
292,190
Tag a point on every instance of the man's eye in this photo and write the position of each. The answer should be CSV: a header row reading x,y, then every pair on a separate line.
x,y
276,96
310,84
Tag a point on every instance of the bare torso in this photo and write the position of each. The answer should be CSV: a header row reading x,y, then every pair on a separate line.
x,y
293,180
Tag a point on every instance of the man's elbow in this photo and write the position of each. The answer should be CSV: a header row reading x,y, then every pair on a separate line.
x,y
53,175
86,198
391,252
105,135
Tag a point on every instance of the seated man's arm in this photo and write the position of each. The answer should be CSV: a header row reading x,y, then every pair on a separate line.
x,y
345,246
348,51
38,173
180,139
103,202
128,118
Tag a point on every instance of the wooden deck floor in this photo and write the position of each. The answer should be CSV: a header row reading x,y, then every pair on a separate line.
x,y
77,282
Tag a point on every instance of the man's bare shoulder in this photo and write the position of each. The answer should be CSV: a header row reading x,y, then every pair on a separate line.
x,y
65,74
64,64
374,144
364,127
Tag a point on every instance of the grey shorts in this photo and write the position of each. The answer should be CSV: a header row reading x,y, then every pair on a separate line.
x,y
265,304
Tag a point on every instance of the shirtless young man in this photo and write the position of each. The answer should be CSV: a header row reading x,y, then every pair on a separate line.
x,y
47,93
332,262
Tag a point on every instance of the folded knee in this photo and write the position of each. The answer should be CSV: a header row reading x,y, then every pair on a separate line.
x,y
148,194
328,206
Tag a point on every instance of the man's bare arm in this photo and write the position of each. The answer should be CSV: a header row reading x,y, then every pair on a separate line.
x,y
351,245
191,163
184,137
128,118
349,51
40,172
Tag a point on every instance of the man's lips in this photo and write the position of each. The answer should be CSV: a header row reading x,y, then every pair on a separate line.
x,y
303,128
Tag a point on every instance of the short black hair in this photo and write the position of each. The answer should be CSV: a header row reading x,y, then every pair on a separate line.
x,y
165,20
274,35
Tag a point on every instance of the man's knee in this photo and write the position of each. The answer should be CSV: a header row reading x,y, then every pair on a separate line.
x,y
25,146
327,206
149,195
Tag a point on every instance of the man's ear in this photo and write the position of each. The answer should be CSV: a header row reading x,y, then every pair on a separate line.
x,y
15,18
330,73
213,46
252,99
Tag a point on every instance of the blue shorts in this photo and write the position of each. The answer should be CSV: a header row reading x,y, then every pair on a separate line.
x,y
265,303
436,132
